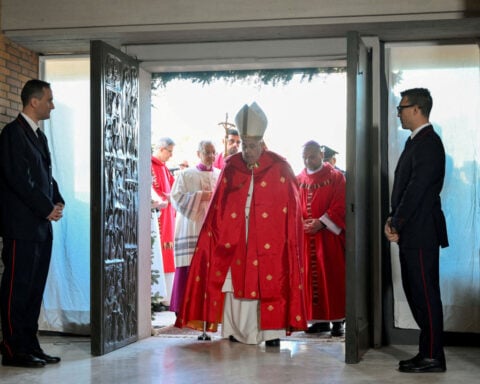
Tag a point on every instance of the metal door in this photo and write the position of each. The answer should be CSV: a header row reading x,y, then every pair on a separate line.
x,y
358,259
114,198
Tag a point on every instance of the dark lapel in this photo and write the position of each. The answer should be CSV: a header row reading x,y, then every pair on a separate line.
x,y
36,141
411,143
408,144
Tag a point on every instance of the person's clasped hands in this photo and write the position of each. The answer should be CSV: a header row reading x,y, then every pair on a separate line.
x,y
57,212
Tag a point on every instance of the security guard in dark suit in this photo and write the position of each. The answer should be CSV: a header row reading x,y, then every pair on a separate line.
x,y
418,225
29,202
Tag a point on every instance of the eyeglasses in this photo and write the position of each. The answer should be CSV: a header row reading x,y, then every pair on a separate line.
x,y
400,108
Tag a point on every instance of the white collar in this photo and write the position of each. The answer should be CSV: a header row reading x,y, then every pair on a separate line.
x,y
311,172
416,130
30,122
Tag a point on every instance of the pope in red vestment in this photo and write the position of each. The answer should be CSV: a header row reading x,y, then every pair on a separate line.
x,y
251,237
322,193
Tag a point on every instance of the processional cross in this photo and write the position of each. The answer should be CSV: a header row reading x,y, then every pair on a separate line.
x,y
226,125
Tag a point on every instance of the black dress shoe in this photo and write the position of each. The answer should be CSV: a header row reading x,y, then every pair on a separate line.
x,y
24,360
232,339
412,361
318,328
424,366
160,307
164,308
273,343
337,329
47,358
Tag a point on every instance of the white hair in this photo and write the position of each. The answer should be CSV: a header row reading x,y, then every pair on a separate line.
x,y
164,142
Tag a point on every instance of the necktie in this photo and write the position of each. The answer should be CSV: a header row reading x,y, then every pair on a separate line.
x,y
41,137
43,141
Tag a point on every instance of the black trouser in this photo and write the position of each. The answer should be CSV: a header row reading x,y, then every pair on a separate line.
x,y
23,283
420,278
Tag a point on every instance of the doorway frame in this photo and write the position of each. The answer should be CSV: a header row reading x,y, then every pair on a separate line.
x,y
279,55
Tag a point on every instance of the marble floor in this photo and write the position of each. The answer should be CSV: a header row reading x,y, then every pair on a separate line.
x,y
178,360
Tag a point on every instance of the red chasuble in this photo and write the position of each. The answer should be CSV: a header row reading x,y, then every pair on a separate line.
x,y
162,180
320,193
268,266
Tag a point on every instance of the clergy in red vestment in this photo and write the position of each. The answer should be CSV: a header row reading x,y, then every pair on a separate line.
x,y
322,193
246,272
162,181
232,144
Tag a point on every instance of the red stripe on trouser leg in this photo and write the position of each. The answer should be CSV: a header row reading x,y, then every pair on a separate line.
x,y
12,277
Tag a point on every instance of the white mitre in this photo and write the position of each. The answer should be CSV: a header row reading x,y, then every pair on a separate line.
x,y
251,121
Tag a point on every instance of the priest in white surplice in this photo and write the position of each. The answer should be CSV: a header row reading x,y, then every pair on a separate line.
x,y
190,196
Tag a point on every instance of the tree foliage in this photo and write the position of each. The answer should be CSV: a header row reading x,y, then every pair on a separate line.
x,y
263,76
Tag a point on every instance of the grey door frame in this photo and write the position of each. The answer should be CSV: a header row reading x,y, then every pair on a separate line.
x,y
358,330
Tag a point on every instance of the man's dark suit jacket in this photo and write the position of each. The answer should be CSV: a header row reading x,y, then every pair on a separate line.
x,y
416,207
28,192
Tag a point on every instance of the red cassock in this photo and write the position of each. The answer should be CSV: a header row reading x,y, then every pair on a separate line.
x,y
162,181
269,269
320,193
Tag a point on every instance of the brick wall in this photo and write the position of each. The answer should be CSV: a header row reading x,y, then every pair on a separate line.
x,y
17,65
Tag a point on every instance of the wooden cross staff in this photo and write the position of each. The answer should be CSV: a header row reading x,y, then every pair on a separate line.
x,y
226,125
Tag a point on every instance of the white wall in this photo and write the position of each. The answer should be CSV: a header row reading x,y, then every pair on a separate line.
x,y
34,14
